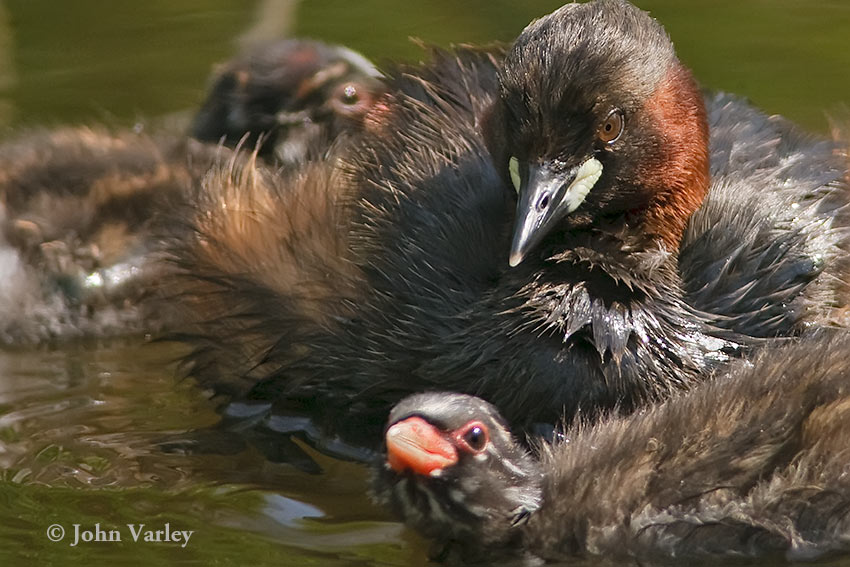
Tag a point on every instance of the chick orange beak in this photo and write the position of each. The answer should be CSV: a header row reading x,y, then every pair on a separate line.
x,y
416,445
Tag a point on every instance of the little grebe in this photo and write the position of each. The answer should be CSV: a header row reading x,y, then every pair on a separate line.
x,y
656,238
290,98
82,210
753,462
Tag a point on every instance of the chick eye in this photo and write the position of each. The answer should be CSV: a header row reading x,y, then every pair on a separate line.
x,y
474,437
352,100
513,169
612,127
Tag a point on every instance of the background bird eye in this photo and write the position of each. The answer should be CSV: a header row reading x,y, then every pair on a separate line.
x,y
352,100
348,94
612,127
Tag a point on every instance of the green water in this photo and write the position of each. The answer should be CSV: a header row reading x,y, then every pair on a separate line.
x,y
80,424
86,60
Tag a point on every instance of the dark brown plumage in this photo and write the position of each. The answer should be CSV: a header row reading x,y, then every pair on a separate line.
x,y
751,463
307,332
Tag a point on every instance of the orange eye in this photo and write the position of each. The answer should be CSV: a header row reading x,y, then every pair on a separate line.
x,y
612,127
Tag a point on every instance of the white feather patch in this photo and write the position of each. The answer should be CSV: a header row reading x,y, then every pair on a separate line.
x,y
586,177
513,168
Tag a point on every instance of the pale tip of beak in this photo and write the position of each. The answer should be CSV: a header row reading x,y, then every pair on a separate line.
x,y
515,259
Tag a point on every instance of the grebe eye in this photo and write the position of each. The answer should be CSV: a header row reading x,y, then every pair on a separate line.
x,y
612,127
513,168
475,436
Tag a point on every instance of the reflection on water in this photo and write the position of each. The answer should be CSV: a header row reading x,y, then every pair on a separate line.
x,y
81,429
82,426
